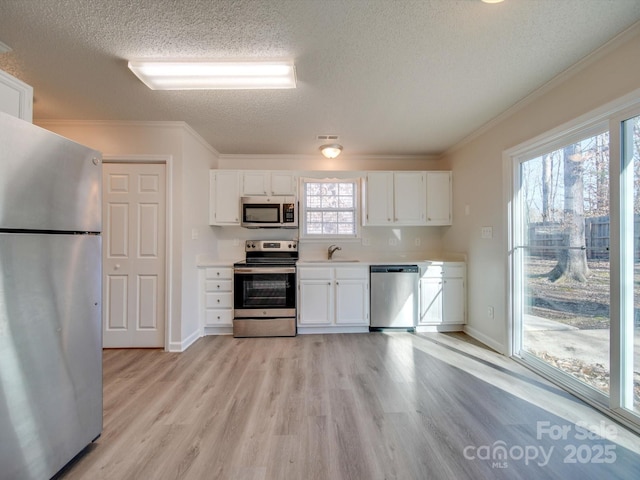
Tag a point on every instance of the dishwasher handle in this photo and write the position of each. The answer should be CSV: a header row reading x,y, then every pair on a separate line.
x,y
394,269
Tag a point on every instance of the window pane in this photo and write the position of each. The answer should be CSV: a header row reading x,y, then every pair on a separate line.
x,y
314,201
346,228
565,271
346,189
329,202
330,208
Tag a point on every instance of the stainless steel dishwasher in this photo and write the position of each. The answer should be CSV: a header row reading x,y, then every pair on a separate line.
x,y
394,296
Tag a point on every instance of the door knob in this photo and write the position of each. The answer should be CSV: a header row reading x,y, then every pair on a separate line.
x,y
117,267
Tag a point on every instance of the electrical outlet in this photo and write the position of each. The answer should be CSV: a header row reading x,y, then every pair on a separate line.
x,y
366,242
417,241
236,242
194,234
393,242
490,312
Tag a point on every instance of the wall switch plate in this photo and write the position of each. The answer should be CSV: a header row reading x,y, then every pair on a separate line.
x,y
393,242
487,232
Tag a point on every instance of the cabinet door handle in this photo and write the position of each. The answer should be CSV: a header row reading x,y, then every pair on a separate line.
x,y
328,283
218,300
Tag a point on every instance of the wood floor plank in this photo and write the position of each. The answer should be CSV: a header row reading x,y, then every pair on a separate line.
x,y
345,406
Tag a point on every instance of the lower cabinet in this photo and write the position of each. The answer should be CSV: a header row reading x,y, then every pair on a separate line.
x,y
216,299
331,298
442,294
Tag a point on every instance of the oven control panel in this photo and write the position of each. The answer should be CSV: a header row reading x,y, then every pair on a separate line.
x,y
271,246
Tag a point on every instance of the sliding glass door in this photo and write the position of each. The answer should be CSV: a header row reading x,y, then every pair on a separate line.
x,y
565,259
574,250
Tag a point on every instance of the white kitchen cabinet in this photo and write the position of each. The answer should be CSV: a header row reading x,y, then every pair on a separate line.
x,y
333,296
16,97
442,294
395,198
268,183
315,296
216,299
224,197
439,198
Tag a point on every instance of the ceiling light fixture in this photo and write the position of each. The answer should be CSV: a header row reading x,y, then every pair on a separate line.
x,y
493,1
214,75
331,150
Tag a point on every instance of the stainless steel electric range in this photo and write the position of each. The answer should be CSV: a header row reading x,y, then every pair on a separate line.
x,y
265,289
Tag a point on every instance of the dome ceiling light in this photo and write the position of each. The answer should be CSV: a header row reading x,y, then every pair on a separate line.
x,y
331,150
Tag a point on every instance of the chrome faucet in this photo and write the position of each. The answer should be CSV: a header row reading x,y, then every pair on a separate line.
x,y
332,248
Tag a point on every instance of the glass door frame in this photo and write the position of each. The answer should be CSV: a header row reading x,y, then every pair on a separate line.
x,y
619,403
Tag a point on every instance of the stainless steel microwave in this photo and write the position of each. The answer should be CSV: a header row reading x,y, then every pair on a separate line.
x,y
269,212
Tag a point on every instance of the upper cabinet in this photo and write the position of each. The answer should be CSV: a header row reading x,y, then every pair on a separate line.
x,y
395,198
439,198
224,197
16,97
268,183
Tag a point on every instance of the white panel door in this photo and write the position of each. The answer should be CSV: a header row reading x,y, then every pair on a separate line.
x,y
133,255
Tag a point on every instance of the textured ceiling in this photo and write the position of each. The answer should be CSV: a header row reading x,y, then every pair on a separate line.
x,y
391,77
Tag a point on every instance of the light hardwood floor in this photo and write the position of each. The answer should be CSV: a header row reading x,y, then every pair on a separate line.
x,y
345,406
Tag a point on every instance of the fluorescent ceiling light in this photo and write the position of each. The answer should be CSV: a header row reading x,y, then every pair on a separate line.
x,y
205,75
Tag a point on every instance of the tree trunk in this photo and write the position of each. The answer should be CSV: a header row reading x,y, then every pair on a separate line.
x,y
572,258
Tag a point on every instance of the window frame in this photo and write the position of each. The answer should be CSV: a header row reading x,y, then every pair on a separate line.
x,y
611,114
302,219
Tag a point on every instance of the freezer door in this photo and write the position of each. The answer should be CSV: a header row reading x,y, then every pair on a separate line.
x,y
50,351
47,182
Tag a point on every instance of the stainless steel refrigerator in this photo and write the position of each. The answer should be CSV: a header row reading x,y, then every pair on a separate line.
x,y
50,300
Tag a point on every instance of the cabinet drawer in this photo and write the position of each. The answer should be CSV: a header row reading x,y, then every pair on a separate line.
x,y
433,271
217,317
218,300
453,271
218,285
314,273
219,272
346,273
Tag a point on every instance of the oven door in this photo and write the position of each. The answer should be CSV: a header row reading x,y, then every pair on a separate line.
x,y
264,292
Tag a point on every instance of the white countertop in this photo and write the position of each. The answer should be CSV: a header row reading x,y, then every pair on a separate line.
x,y
399,259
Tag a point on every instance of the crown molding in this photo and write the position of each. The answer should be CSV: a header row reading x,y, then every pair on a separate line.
x,y
589,59
177,125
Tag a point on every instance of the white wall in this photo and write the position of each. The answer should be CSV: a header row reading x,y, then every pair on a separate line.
x,y
478,176
190,159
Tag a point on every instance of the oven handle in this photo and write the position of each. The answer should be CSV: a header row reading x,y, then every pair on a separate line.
x,y
265,270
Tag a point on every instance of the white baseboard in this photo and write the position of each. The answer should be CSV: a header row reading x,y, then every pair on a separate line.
x,y
321,330
439,328
184,344
488,341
